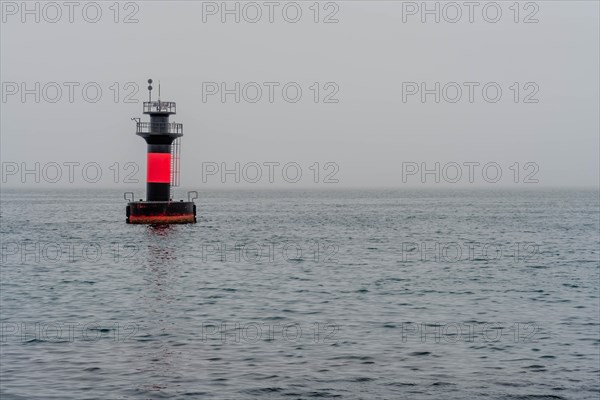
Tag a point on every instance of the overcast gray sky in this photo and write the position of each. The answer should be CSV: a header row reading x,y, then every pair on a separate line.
x,y
371,61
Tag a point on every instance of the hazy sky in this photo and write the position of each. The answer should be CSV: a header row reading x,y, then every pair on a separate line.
x,y
372,60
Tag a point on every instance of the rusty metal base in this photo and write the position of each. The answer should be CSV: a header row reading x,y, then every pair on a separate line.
x,y
161,212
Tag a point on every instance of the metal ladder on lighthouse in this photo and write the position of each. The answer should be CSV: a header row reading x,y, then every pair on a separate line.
x,y
175,167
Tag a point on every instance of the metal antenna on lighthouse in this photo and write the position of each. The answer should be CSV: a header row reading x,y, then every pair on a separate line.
x,y
150,90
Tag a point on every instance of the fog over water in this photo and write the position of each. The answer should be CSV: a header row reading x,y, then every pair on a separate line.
x,y
369,60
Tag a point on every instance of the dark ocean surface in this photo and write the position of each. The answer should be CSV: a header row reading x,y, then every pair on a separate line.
x,y
415,294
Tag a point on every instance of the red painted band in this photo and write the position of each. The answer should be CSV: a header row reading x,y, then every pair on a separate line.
x,y
159,168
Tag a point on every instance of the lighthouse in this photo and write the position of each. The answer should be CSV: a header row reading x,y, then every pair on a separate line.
x,y
163,143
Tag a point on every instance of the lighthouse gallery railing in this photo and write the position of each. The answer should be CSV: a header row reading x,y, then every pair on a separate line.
x,y
159,127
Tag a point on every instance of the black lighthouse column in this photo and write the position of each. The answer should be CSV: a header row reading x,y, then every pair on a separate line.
x,y
158,176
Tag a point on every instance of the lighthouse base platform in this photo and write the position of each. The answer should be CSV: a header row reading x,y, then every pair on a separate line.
x,y
161,212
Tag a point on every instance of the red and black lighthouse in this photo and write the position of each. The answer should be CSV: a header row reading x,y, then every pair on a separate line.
x,y
162,138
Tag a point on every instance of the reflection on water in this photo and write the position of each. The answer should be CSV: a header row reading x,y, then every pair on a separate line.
x,y
157,356
160,230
